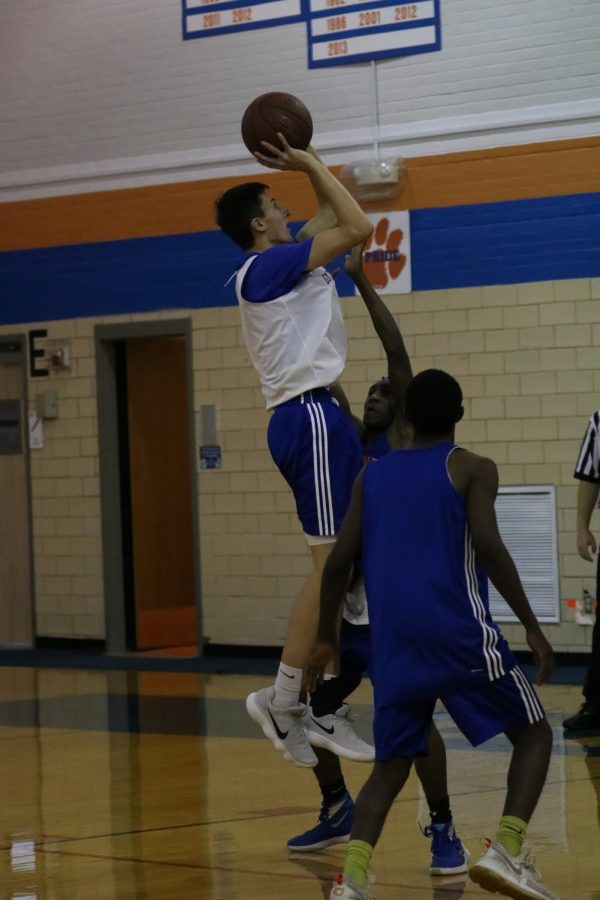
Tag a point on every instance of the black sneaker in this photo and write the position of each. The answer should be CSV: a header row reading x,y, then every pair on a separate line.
x,y
587,719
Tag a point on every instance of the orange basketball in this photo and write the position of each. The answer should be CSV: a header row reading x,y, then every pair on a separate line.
x,y
275,112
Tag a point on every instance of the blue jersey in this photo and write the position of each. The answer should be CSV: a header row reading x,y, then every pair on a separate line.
x,y
428,599
376,448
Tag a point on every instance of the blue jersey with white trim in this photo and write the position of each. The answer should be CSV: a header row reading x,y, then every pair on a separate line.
x,y
428,600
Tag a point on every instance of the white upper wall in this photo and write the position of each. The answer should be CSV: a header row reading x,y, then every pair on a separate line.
x,y
103,94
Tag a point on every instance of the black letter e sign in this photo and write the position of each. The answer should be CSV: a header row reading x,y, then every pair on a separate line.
x,y
36,353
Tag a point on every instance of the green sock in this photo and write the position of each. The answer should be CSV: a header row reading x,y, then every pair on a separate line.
x,y
358,857
511,834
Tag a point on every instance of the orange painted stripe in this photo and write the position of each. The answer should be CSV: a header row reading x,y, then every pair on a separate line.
x,y
483,176
134,212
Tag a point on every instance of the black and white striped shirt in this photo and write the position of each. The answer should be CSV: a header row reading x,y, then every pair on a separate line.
x,y
588,463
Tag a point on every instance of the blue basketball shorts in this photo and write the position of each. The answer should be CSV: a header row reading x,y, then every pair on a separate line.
x,y
480,712
355,649
316,447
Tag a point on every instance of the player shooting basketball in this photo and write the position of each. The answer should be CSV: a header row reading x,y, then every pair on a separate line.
x,y
293,328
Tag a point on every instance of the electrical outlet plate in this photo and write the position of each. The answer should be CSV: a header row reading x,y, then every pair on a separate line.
x,y
58,354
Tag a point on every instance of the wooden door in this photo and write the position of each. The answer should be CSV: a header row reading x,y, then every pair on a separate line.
x,y
161,492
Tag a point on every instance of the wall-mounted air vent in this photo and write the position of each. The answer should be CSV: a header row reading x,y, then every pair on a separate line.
x,y
527,522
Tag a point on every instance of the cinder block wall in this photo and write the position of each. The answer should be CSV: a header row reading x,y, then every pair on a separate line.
x,y
524,354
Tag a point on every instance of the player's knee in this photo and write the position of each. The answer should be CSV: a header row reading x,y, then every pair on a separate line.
x,y
544,733
537,733
392,773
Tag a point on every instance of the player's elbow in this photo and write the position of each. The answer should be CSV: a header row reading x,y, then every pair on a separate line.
x,y
488,550
364,230
357,231
395,349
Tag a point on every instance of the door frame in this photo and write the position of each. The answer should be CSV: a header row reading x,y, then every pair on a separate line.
x,y
23,340
106,338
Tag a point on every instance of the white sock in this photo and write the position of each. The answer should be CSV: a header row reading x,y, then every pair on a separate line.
x,y
288,685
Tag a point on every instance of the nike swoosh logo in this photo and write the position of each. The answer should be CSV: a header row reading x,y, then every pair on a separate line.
x,y
339,821
517,870
292,676
280,734
322,727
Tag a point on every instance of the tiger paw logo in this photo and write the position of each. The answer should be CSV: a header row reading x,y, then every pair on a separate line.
x,y
382,260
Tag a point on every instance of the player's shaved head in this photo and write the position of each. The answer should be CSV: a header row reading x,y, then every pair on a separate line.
x,y
433,402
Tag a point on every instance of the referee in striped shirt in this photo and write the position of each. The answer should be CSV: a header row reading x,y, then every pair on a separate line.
x,y
588,473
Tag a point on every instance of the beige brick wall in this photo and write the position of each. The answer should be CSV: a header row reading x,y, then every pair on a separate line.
x,y
527,359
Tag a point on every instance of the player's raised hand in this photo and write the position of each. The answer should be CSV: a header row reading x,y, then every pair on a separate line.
x,y
353,262
321,655
284,158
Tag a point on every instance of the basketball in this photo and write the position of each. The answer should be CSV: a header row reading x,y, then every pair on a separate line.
x,y
275,112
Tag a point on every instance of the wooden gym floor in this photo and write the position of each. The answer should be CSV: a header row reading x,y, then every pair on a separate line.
x,y
119,785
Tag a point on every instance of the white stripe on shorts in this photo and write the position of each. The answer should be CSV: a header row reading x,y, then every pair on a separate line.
x,y
321,469
493,657
534,709
315,466
328,497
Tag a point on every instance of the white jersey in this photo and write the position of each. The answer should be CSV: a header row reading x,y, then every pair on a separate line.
x,y
296,341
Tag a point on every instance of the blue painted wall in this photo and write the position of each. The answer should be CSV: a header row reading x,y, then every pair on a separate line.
x,y
506,243
461,246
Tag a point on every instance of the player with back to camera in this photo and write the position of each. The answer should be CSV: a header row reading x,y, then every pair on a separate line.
x,y
424,520
293,328
383,428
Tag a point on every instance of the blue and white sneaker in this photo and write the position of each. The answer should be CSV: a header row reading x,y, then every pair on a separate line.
x,y
449,856
334,829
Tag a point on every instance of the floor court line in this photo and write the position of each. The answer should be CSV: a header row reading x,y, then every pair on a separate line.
x,y
46,842
230,869
168,862
209,823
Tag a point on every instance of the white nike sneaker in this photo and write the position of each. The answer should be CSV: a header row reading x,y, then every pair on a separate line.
x,y
336,732
515,876
344,889
283,726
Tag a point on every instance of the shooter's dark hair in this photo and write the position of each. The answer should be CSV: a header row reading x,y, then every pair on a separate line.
x,y
235,210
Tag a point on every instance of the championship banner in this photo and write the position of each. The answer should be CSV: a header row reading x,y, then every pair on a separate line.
x,y
352,31
386,257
